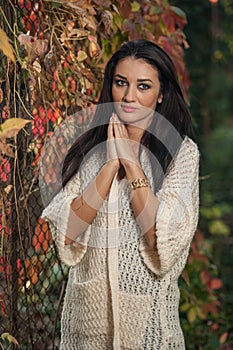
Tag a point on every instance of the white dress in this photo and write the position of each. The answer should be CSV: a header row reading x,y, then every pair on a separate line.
x,y
126,296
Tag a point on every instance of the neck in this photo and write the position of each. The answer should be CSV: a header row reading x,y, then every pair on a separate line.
x,y
135,133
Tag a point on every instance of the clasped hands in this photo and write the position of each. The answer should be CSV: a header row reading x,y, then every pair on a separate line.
x,y
121,150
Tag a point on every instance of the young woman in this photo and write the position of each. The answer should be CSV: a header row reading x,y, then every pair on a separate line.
x,y
128,209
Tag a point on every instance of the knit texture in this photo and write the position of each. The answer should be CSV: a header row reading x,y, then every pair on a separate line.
x,y
147,280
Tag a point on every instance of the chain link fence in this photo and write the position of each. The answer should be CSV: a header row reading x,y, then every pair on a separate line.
x,y
32,279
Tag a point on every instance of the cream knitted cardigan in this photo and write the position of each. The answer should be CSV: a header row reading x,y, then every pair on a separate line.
x,y
127,296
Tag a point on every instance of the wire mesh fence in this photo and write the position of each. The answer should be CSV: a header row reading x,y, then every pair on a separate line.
x,y
52,78
32,279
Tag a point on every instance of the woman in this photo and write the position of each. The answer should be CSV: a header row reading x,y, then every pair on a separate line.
x,y
127,212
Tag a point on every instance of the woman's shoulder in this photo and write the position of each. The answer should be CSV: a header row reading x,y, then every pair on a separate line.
x,y
187,157
188,150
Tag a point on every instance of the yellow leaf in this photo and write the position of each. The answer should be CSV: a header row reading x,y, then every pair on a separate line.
x,y
10,338
185,307
191,315
87,84
218,227
1,95
11,127
8,189
200,313
94,49
135,6
81,56
5,46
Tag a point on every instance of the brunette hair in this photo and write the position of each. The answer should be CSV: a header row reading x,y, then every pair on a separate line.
x,y
173,108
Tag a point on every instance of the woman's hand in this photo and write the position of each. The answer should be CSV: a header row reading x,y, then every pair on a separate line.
x,y
112,156
126,149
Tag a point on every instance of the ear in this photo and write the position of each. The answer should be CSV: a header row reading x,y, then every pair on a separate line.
x,y
160,99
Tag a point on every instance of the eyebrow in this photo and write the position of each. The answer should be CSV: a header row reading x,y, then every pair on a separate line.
x,y
139,80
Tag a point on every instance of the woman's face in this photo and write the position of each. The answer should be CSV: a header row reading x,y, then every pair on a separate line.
x,y
135,91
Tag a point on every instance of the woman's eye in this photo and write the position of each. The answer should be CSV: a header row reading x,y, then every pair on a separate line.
x,y
120,82
144,86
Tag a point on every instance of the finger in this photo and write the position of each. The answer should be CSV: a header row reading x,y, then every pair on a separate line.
x,y
120,123
110,129
120,129
116,127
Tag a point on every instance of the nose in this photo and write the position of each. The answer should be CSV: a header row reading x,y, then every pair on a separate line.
x,y
129,94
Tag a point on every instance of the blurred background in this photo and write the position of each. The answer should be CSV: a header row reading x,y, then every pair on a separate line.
x,y
52,56
209,61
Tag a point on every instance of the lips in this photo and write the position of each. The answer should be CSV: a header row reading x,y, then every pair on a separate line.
x,y
128,109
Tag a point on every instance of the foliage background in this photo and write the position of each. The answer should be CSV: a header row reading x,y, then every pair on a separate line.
x,y
60,48
208,59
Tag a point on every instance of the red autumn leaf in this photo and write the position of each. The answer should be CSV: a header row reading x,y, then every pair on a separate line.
x,y
215,327
169,22
197,255
18,264
211,307
205,277
5,113
124,8
216,283
166,44
179,16
223,338
38,125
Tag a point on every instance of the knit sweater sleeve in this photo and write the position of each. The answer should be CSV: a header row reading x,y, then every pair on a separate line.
x,y
177,215
57,214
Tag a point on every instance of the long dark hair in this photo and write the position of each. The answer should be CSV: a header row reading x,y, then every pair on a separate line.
x,y
173,109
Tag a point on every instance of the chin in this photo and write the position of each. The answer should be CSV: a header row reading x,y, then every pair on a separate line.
x,y
139,118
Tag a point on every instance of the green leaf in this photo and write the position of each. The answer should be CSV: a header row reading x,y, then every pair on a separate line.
x,y
218,227
178,12
185,307
56,3
135,6
216,212
155,10
200,313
